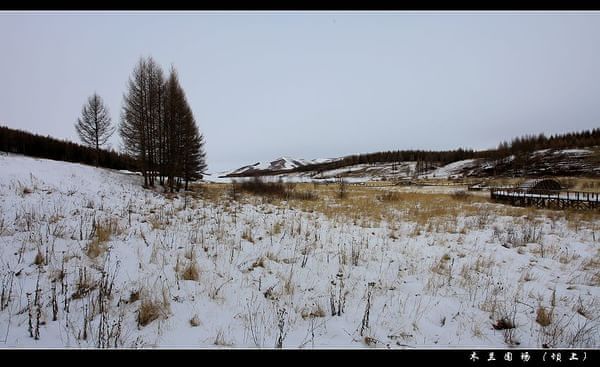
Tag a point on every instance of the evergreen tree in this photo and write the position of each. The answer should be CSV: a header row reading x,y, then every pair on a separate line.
x,y
94,126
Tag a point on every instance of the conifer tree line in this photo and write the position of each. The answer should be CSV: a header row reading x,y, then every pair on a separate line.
x,y
530,143
34,145
159,129
427,159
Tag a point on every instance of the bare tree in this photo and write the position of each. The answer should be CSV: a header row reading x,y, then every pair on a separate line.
x,y
94,126
186,158
141,115
158,127
194,156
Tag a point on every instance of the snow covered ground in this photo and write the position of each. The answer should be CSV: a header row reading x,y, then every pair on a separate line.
x,y
452,169
90,259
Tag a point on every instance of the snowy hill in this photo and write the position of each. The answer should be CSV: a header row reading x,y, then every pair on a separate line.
x,y
279,164
567,162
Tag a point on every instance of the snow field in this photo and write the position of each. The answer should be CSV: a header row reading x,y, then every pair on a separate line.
x,y
120,266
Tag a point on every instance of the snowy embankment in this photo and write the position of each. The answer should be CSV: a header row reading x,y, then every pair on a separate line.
x,y
90,259
452,169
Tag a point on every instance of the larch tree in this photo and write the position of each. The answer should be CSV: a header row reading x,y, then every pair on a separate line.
x,y
194,156
94,126
141,117
185,144
159,129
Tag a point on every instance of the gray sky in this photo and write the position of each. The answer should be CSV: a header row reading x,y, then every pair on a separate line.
x,y
314,84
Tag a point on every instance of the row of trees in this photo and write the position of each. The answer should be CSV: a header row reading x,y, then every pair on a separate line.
x,y
26,143
429,159
424,157
157,127
530,143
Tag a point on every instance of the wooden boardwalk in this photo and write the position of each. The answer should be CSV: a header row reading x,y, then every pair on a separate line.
x,y
549,199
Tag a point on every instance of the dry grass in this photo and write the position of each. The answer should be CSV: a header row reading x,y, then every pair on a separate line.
x,y
592,263
195,321
277,227
581,183
369,206
84,285
461,196
148,312
543,316
39,258
152,308
134,296
95,249
504,323
313,312
102,234
247,235
358,206
191,272
389,196
441,266
259,263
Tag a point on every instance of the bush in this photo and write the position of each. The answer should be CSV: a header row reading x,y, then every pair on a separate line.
x,y
273,189
260,187
389,196
543,317
460,195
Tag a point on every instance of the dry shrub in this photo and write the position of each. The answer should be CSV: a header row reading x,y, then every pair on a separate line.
x,y
195,321
460,195
259,187
342,189
389,196
152,308
39,258
247,235
84,285
155,223
277,227
369,341
102,234
543,316
281,190
312,312
302,195
441,266
260,262
95,249
191,272
503,324
134,296
148,312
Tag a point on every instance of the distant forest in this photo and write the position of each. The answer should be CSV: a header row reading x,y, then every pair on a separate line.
x,y
23,142
425,158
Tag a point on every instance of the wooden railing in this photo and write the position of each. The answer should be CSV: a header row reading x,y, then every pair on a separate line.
x,y
547,198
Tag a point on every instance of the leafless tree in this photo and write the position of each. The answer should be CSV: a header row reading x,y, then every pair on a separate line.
x,y
94,126
158,127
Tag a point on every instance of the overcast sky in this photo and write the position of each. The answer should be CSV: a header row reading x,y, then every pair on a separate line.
x,y
314,84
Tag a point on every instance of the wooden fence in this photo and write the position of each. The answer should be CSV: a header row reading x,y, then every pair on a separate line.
x,y
548,199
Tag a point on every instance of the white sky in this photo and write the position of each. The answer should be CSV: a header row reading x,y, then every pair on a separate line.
x,y
314,84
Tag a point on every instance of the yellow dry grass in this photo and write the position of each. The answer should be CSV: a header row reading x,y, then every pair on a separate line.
x,y
103,232
368,206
